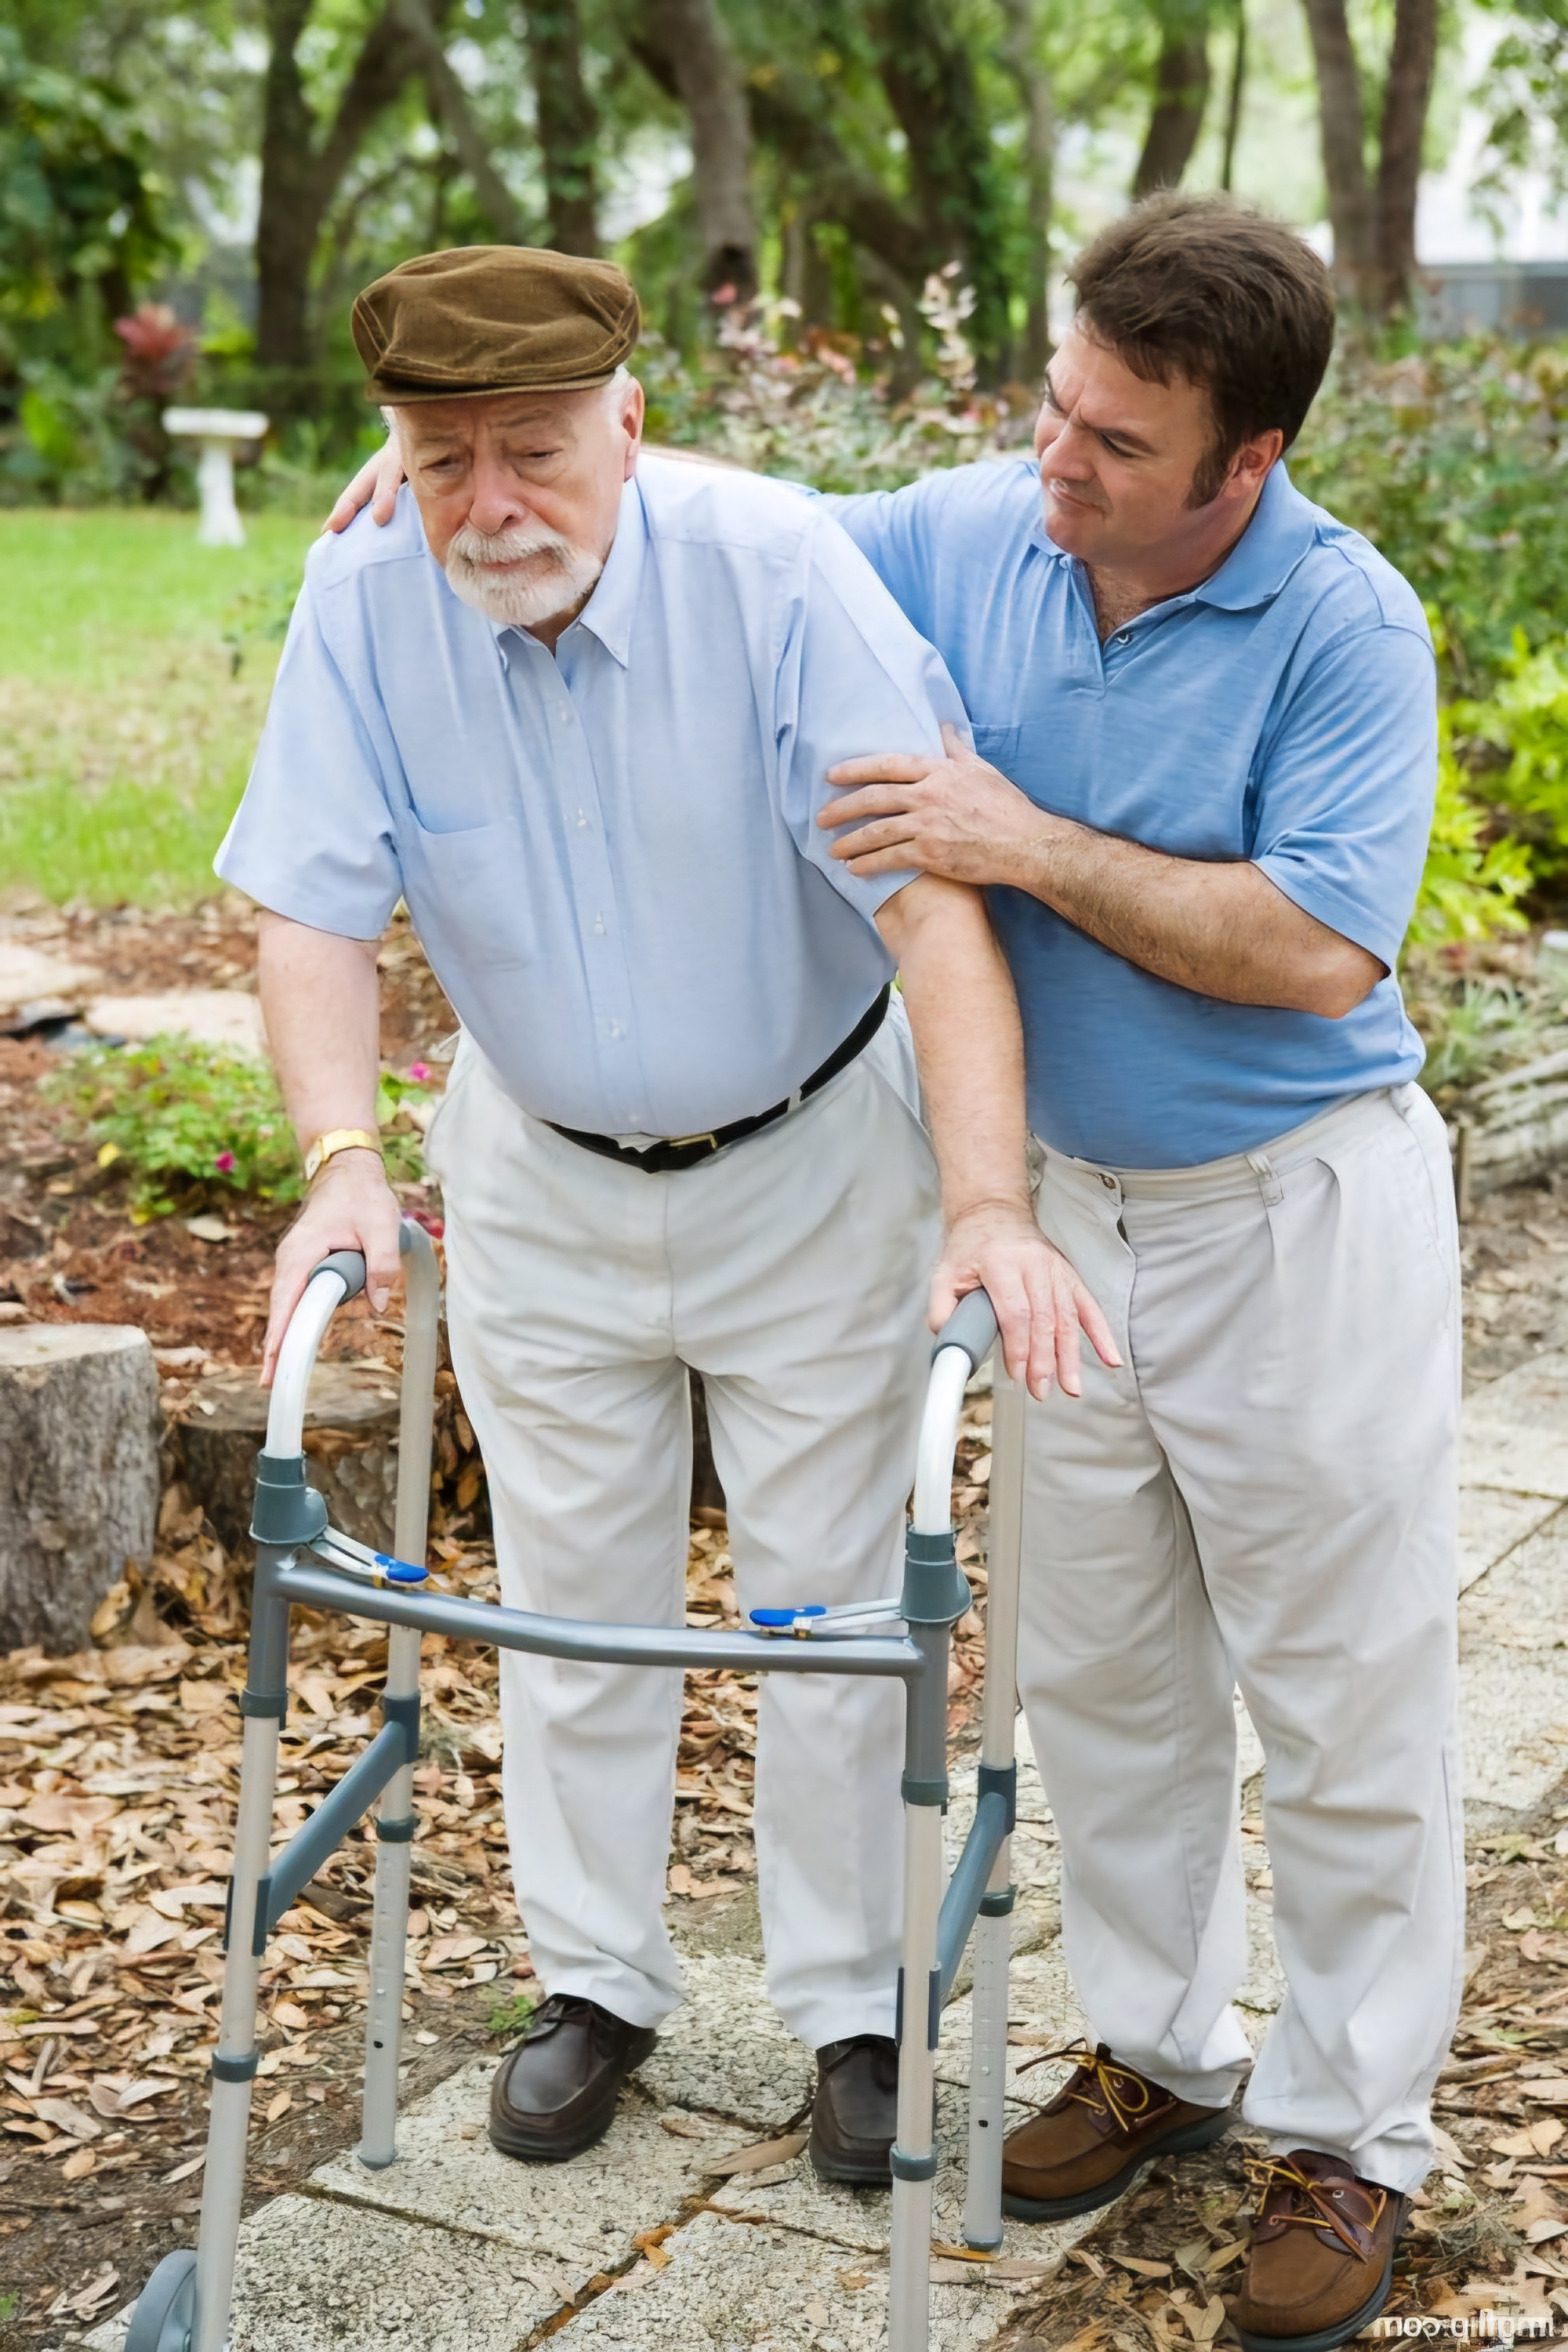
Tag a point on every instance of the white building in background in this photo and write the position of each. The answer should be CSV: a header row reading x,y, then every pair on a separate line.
x,y
1498,263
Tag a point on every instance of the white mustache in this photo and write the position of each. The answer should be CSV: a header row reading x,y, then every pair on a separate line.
x,y
513,545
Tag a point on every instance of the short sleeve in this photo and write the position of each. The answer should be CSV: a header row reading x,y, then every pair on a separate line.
x,y
855,678
1345,793
312,838
892,529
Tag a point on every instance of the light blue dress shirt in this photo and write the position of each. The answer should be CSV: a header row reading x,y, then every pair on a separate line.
x,y
609,853
1284,712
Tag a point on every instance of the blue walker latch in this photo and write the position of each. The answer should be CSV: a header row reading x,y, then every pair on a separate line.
x,y
780,1620
400,1571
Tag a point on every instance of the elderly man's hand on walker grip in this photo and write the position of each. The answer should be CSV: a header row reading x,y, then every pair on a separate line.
x,y
319,997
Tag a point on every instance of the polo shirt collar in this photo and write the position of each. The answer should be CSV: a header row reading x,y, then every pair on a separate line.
x,y
1282,531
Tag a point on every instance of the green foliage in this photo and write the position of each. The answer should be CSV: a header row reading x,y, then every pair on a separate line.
x,y
8,2304
1489,1023
1471,885
507,2014
812,418
79,226
1523,726
186,1120
1454,462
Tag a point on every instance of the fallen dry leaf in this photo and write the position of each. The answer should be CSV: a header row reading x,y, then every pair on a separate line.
x,y
758,2157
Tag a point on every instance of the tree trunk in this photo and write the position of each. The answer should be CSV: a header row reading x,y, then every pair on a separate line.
x,y
568,127
1374,219
1406,96
79,1429
1020,54
1233,102
1342,127
1181,94
301,173
928,71
290,217
692,37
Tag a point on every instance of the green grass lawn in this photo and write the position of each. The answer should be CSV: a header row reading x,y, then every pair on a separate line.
x,y
134,672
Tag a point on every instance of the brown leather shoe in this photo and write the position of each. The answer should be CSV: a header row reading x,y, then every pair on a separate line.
x,y
1086,2147
854,2115
555,2093
1322,2257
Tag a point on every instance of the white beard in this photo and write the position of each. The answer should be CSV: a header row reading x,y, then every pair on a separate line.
x,y
561,576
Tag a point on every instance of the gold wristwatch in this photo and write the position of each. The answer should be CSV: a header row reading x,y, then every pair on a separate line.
x,y
339,1139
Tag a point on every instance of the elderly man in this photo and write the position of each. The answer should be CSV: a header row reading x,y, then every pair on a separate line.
x,y
1204,722
579,712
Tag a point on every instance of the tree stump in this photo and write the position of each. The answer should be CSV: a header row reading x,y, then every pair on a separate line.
x,y
79,1431
350,1446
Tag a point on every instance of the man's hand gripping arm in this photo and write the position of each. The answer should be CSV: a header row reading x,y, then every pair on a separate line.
x,y
970,1049
320,1001
1222,930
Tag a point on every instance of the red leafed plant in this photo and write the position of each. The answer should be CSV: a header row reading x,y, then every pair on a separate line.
x,y
160,352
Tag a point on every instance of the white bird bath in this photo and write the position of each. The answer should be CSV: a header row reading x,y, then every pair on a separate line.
x,y
217,429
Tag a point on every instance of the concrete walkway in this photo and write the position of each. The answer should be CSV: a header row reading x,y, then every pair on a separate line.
x,y
456,2250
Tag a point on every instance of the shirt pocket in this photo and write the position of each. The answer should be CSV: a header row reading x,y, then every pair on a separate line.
x,y
1000,747
467,893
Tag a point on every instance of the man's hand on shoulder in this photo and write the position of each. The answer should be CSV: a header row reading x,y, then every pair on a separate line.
x,y
1041,1305
351,1206
376,485
958,817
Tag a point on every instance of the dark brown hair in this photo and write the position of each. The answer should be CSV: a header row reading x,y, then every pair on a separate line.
x,y
1205,288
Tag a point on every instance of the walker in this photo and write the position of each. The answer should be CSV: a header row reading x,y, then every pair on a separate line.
x,y
301,1561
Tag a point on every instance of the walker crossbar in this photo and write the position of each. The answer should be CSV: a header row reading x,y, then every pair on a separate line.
x,y
301,1562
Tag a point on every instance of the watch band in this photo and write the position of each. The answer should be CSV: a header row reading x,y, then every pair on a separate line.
x,y
339,1139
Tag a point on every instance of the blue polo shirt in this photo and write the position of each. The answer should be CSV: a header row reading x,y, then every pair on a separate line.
x,y
1284,712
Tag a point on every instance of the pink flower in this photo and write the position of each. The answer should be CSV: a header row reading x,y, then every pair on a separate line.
x,y
419,1072
224,1162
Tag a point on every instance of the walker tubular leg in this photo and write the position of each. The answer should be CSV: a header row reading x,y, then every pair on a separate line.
x,y
395,1814
994,1927
263,1703
919,2015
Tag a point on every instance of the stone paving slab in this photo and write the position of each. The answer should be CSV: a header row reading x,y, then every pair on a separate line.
x,y
1514,1434
727,2050
316,2277
737,2287
1514,1693
581,2216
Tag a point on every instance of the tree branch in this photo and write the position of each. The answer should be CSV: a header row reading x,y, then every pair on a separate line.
x,y
449,103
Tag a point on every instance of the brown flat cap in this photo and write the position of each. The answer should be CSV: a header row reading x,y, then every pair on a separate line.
x,y
493,318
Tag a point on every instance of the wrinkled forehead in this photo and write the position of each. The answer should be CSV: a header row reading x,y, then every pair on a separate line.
x,y
461,424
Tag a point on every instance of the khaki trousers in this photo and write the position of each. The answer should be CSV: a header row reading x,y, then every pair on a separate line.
x,y
791,1271
1265,1496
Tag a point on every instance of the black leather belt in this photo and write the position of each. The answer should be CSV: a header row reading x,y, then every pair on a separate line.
x,y
687,1151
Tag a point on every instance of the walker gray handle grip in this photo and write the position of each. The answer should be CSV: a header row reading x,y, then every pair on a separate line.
x,y
350,1265
971,1326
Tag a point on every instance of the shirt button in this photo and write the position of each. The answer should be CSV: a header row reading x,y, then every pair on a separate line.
x,y
1109,1182
1122,637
